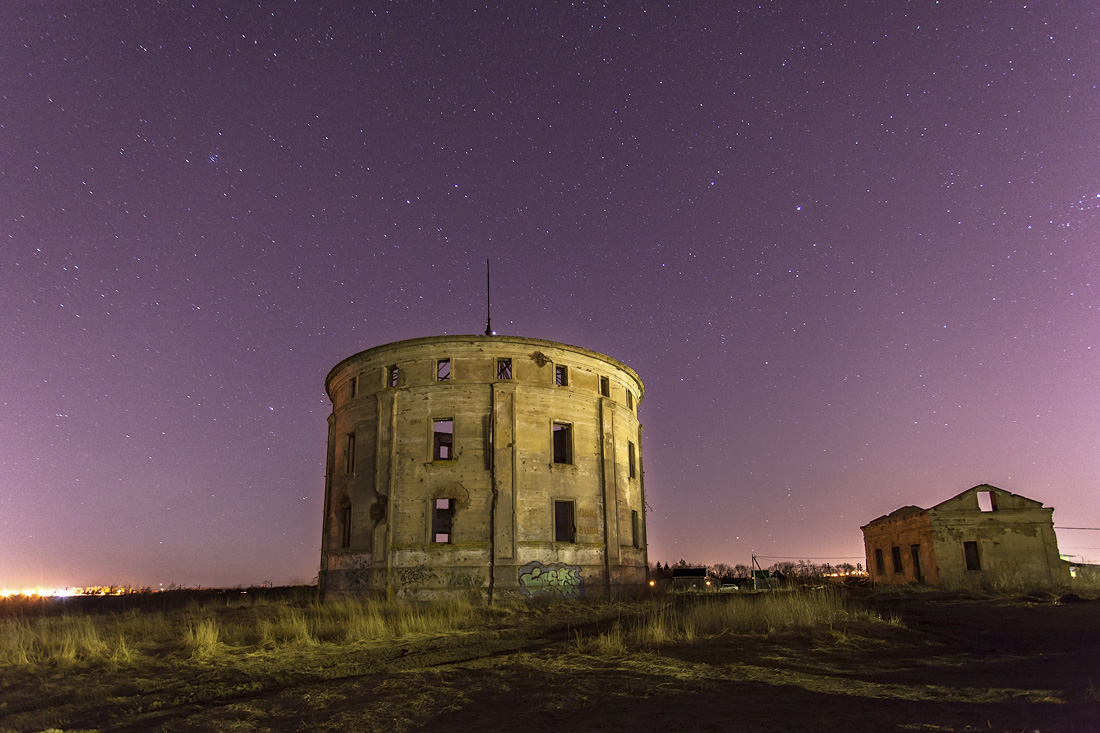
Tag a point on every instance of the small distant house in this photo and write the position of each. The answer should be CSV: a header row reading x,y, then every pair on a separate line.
x,y
697,579
984,536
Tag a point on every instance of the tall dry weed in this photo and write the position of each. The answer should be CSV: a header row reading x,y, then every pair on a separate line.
x,y
289,626
17,643
439,617
351,620
660,625
612,643
201,638
123,653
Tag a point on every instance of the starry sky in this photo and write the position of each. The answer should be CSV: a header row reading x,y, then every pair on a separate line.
x,y
852,249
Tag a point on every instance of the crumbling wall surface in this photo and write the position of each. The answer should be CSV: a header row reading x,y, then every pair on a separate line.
x,y
351,515
1013,541
993,499
905,529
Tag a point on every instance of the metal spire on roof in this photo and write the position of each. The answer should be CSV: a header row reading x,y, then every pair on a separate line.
x,y
488,310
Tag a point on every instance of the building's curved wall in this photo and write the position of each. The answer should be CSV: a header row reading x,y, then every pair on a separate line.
x,y
510,494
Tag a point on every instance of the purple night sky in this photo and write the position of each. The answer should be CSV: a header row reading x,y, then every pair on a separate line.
x,y
851,248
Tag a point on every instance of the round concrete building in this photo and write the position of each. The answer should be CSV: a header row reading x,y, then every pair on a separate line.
x,y
499,465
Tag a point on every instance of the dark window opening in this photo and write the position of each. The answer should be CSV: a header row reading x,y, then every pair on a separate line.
x,y
561,375
563,442
565,530
630,458
630,400
895,555
345,527
986,501
443,370
914,554
349,454
504,368
393,375
970,550
880,564
605,386
636,528
443,515
353,387
443,441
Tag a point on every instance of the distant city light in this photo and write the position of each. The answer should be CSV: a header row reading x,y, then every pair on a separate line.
x,y
97,590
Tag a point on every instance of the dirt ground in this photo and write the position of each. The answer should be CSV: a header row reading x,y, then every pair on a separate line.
x,y
952,664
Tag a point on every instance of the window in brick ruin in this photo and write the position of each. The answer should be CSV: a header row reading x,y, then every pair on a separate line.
x,y
393,374
443,370
345,527
605,386
630,457
443,514
880,564
504,368
561,375
895,555
630,400
563,442
565,529
914,555
443,440
349,454
353,387
635,528
970,550
986,502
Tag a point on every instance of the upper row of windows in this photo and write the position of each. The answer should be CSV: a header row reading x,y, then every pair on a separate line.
x,y
392,376
443,445
443,523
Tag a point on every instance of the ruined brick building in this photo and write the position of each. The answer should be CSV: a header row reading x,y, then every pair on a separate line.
x,y
498,465
983,537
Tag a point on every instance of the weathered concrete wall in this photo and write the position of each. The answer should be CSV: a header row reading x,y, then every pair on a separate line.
x,y
501,476
1015,539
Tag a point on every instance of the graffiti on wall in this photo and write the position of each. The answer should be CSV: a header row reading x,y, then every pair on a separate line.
x,y
556,579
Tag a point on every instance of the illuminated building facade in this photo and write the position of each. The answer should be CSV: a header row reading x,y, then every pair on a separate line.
x,y
496,465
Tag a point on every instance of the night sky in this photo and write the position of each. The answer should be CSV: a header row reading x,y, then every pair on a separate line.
x,y
850,248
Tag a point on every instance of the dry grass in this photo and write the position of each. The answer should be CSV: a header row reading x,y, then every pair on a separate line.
x,y
771,613
702,617
205,632
62,642
201,638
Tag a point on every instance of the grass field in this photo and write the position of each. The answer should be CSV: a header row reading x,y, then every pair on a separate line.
x,y
205,631
239,627
242,662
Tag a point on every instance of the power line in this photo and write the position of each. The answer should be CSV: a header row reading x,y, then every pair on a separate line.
x,y
1094,529
803,557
